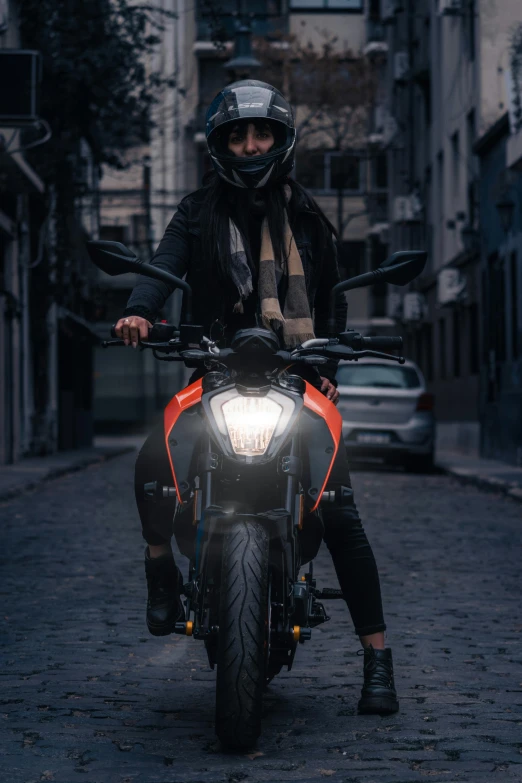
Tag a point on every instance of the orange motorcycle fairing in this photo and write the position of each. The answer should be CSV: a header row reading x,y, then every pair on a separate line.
x,y
317,403
183,400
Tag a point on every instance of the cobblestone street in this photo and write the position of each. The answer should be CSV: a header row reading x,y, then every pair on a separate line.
x,y
88,695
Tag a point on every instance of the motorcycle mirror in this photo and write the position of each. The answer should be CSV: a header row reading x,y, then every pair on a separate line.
x,y
113,258
399,269
116,259
403,267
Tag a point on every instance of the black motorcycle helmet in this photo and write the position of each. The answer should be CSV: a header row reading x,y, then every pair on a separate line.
x,y
250,100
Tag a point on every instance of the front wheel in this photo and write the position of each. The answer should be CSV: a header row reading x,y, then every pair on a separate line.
x,y
241,658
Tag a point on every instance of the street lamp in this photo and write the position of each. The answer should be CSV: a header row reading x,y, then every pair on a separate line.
x,y
243,61
506,208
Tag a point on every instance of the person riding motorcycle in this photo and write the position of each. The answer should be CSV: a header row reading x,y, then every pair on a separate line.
x,y
248,209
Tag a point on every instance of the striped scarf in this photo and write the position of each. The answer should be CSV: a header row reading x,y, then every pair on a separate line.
x,y
295,318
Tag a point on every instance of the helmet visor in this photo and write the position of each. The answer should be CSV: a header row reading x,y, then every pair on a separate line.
x,y
248,101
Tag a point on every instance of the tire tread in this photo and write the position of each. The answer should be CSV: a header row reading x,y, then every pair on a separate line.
x,y
240,656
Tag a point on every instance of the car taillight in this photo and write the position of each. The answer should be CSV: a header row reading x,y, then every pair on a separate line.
x,y
425,402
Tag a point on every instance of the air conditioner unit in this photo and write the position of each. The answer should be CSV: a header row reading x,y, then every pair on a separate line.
x,y
413,306
451,7
401,66
19,78
451,286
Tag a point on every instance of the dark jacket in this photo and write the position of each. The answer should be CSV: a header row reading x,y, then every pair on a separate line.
x,y
180,252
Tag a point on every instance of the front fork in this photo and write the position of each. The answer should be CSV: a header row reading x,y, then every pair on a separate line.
x,y
295,608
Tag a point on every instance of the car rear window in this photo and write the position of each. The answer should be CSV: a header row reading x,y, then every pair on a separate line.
x,y
378,376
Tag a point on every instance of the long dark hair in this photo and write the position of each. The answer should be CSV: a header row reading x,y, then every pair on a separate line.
x,y
222,201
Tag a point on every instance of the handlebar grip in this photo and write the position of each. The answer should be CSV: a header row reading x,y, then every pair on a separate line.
x,y
382,342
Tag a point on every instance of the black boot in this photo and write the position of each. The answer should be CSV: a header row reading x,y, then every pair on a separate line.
x,y
378,695
164,582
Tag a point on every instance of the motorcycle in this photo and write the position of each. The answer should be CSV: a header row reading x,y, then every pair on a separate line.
x,y
251,446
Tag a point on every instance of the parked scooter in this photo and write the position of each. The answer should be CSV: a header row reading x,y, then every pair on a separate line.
x,y
251,446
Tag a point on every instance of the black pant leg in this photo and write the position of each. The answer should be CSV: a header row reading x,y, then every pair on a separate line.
x,y
352,554
152,464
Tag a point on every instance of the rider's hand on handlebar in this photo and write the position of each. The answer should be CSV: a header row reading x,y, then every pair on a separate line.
x,y
329,390
132,329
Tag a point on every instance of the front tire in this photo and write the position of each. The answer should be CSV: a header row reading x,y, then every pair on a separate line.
x,y
241,661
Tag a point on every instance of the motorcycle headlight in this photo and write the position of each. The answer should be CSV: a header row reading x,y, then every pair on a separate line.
x,y
251,423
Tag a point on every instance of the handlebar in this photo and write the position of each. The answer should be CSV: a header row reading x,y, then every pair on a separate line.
x,y
358,342
350,345
160,332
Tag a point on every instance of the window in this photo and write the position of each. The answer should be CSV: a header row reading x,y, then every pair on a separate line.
x,y
344,172
140,231
267,18
212,76
456,344
474,339
374,10
418,348
329,171
428,351
442,349
114,233
439,224
378,252
378,376
351,257
455,162
380,172
497,306
471,164
470,28
310,170
328,5
514,309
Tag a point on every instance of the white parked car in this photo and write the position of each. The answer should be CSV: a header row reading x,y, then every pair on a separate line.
x,y
387,412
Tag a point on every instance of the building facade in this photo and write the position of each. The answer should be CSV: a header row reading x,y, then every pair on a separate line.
x,y
445,87
500,209
45,292
20,187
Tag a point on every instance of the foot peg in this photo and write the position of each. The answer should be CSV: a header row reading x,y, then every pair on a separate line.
x,y
184,628
155,491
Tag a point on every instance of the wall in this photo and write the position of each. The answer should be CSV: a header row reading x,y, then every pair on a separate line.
x,y
349,28
501,377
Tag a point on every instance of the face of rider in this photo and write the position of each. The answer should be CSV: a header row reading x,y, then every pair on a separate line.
x,y
247,140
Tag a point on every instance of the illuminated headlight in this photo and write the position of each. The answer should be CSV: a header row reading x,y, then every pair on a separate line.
x,y
251,423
